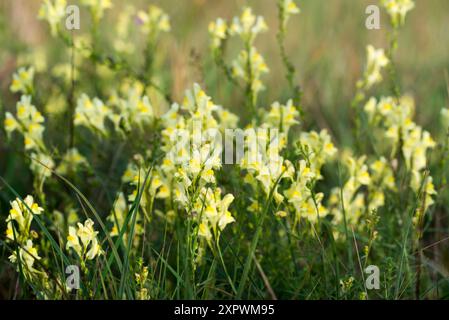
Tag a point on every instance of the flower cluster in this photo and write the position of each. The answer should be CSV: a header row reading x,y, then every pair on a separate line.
x,y
29,122
213,212
377,60
72,161
264,164
191,156
301,196
395,118
92,114
18,229
248,26
28,254
126,109
397,9
122,43
53,12
22,214
176,199
192,152
218,32
154,21
190,162
97,7
282,116
350,201
262,160
132,107
315,150
84,240
249,65
141,280
22,81
287,8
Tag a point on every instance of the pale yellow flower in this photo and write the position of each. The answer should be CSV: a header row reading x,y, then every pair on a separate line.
x,y
204,231
218,32
282,116
288,8
84,240
22,213
53,12
97,7
10,123
154,21
73,241
398,9
72,160
42,165
247,26
376,61
257,67
28,121
23,81
28,255
92,114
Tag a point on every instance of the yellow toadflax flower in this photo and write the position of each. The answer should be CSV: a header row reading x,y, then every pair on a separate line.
x,y
287,8
376,61
189,140
84,240
282,116
318,148
41,165
97,7
248,26
397,9
250,67
132,108
290,7
71,161
204,231
218,31
27,255
122,42
22,213
23,81
10,123
349,196
264,164
53,12
92,114
28,122
154,21
214,212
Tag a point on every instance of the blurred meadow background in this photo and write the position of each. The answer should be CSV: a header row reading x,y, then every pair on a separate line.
x,y
326,43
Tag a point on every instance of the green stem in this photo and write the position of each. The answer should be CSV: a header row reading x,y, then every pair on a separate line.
x,y
255,240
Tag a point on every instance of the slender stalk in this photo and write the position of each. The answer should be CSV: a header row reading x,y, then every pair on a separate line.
x,y
71,95
255,240
288,65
